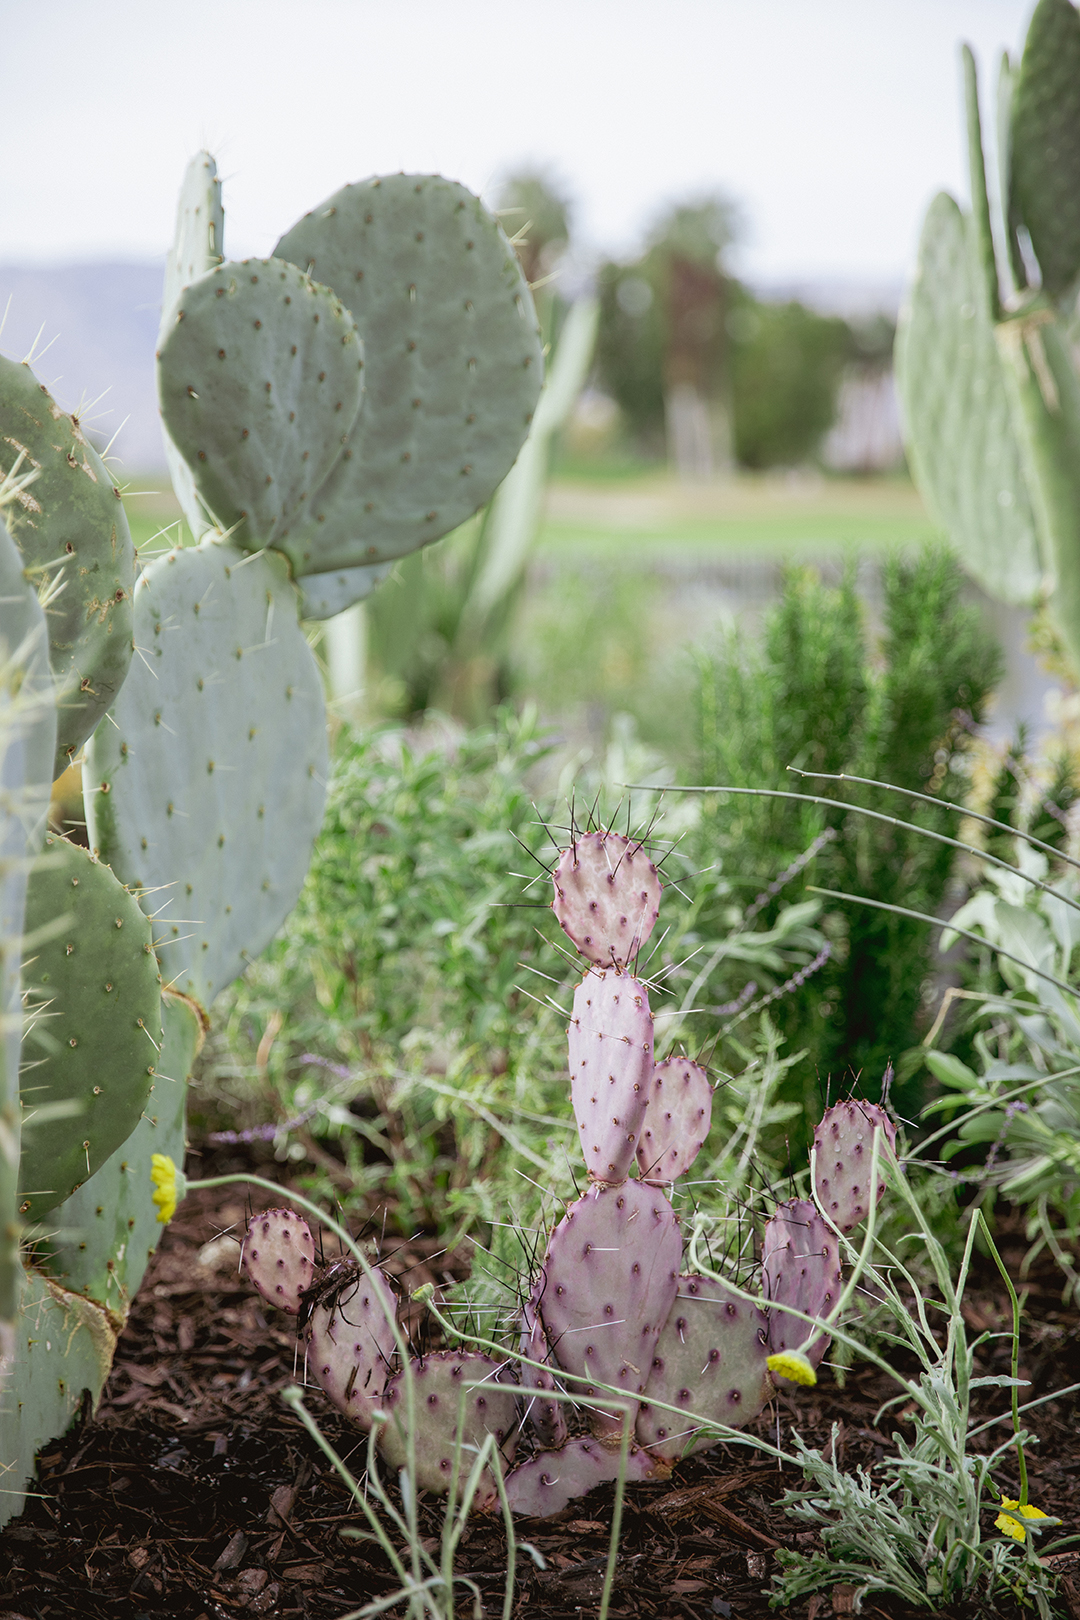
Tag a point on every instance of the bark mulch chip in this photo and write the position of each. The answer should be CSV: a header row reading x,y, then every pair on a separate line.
x,y
195,1494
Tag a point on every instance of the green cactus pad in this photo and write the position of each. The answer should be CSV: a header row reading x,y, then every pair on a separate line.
x,y
94,998
1045,188
547,1482
106,1233
441,1390
70,528
709,1359
453,365
208,789
27,747
260,378
63,1345
198,246
324,595
964,452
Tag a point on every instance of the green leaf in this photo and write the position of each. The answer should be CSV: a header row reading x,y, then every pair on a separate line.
x,y
950,1071
1046,142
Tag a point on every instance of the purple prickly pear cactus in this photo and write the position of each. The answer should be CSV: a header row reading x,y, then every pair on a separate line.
x,y
800,1269
843,1144
607,897
279,1257
547,1482
611,1067
611,1274
350,1339
709,1359
677,1120
546,1418
459,1402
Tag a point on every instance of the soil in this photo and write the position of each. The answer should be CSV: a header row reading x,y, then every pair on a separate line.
x,y
195,1493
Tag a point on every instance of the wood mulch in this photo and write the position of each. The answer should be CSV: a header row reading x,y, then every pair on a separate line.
x,y
194,1493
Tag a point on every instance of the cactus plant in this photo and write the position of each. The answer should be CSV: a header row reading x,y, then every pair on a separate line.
x,y
986,371
608,1313
72,534
843,1143
205,787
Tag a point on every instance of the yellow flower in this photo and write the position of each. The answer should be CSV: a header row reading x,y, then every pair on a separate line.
x,y
1010,1524
170,1185
792,1364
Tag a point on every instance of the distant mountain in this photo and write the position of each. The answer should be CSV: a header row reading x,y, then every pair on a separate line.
x,y
94,327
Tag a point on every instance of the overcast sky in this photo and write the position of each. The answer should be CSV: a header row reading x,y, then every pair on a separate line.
x,y
832,122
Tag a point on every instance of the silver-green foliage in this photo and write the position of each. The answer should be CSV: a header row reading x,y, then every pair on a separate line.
x,y
987,378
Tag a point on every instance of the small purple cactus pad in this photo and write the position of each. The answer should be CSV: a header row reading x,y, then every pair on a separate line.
x,y
709,1359
677,1120
543,1485
351,1344
843,1144
279,1257
610,1040
800,1268
545,1417
442,1382
607,897
611,1273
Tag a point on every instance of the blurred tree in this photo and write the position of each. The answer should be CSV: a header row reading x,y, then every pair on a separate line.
x,y
663,344
787,363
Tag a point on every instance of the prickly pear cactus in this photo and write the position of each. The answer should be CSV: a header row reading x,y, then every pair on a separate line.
x,y
198,245
843,1145
351,1345
800,1270
678,1120
545,1417
95,1025
72,534
611,1272
27,747
279,1257
611,1069
206,791
607,897
103,1237
462,1401
453,371
260,380
549,1481
709,1359
986,367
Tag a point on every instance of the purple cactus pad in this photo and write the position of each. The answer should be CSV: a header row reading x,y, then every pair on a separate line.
x,y
677,1120
442,1383
709,1359
611,1067
607,897
351,1342
843,1145
547,1482
800,1269
279,1257
611,1276
546,1418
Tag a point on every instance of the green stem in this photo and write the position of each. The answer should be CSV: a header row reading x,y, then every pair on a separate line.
x,y
1015,1391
